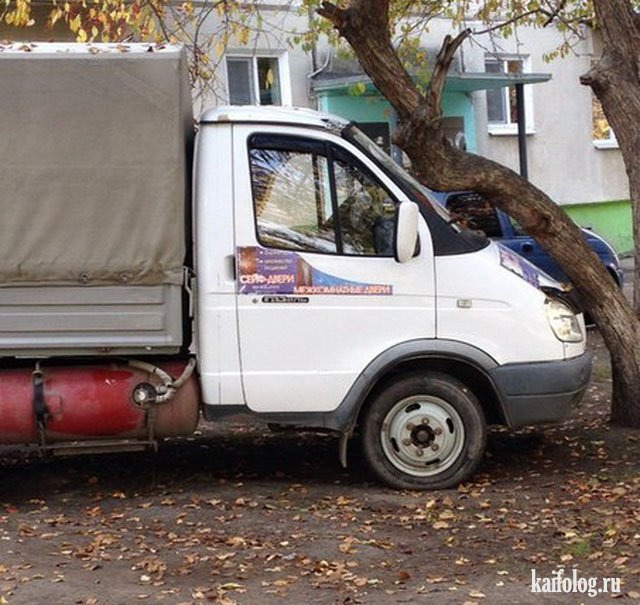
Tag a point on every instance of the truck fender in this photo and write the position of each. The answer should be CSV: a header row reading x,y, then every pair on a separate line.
x,y
345,416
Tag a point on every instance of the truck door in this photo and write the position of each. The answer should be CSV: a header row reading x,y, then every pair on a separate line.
x,y
217,321
319,293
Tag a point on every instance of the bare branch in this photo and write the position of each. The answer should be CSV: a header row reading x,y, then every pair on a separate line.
x,y
515,19
160,20
441,69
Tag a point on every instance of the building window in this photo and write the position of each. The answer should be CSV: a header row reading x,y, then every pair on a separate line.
x,y
502,114
603,135
258,80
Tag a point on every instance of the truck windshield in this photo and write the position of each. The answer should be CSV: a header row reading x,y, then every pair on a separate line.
x,y
421,193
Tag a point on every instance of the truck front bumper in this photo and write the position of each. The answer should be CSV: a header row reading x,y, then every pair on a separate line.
x,y
536,393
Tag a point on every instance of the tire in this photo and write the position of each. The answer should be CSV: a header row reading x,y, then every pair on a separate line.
x,y
423,431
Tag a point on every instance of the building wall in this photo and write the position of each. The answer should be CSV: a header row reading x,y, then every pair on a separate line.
x,y
563,160
271,37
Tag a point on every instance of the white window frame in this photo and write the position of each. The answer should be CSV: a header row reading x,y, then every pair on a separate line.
x,y
283,72
611,142
511,128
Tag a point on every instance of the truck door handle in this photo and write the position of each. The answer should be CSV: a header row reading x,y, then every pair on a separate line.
x,y
527,248
230,267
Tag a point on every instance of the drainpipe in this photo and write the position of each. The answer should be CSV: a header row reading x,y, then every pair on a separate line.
x,y
315,72
321,68
522,131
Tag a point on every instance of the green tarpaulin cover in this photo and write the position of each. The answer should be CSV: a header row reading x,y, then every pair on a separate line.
x,y
94,146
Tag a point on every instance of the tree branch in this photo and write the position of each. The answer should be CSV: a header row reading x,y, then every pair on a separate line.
x,y
442,166
337,16
554,13
514,19
160,20
441,69
365,26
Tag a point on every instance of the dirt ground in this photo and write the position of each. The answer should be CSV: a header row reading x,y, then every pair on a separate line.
x,y
246,515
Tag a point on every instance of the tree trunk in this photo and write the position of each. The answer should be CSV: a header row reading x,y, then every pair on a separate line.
x,y
615,80
365,25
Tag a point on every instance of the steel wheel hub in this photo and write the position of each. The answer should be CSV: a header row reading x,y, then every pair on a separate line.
x,y
422,435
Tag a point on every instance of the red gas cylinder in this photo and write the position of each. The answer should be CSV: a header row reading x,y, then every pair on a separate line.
x,y
93,402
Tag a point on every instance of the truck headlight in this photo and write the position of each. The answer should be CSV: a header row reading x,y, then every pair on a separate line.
x,y
563,321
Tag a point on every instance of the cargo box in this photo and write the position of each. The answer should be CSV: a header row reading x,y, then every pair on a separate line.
x,y
95,146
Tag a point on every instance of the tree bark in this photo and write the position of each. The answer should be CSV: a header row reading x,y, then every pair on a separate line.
x,y
365,25
615,80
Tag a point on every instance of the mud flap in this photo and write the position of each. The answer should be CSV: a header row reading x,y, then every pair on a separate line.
x,y
342,447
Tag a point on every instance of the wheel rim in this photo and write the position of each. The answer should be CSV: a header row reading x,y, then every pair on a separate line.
x,y
422,435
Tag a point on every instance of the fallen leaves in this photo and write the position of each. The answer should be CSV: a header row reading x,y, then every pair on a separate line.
x,y
347,545
236,542
476,594
208,532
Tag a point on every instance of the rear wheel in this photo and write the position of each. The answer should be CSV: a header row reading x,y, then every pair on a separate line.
x,y
424,431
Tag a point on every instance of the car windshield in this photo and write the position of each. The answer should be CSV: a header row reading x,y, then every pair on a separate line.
x,y
424,195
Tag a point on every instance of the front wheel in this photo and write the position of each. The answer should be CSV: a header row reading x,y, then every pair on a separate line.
x,y
424,431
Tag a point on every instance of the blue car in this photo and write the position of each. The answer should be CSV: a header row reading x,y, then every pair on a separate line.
x,y
472,210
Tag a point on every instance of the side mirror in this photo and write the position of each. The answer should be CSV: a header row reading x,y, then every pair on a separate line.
x,y
406,231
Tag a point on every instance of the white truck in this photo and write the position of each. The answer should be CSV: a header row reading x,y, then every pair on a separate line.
x,y
299,275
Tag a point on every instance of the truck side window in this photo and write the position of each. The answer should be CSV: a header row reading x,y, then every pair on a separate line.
x,y
313,196
292,200
365,208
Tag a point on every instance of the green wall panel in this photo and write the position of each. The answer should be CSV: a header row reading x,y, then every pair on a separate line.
x,y
611,220
372,107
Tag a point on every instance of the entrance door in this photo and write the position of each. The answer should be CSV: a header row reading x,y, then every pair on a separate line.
x,y
320,294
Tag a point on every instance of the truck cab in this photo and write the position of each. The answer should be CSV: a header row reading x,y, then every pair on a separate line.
x,y
333,291
275,262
